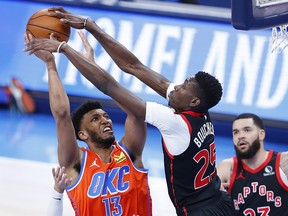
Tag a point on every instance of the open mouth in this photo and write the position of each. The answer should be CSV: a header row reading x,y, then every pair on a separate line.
x,y
242,144
107,129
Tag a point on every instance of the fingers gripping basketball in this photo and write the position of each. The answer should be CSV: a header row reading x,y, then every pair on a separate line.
x,y
41,25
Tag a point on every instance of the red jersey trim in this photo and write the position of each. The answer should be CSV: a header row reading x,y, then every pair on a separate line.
x,y
278,175
172,183
166,150
253,171
196,114
187,123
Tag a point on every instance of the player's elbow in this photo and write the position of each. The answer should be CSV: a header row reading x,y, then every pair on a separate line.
x,y
131,67
61,113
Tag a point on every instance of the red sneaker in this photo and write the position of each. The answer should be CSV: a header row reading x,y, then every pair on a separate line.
x,y
24,101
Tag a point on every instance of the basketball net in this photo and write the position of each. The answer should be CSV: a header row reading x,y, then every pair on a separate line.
x,y
279,39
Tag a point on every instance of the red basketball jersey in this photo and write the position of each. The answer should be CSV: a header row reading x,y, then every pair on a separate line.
x,y
117,188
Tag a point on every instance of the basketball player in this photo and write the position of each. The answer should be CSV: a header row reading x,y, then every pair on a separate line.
x,y
108,177
256,178
187,130
15,97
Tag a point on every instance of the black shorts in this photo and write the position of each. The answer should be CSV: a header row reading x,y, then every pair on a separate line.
x,y
221,207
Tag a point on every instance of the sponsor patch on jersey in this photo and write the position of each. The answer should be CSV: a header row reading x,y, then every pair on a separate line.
x,y
119,158
268,171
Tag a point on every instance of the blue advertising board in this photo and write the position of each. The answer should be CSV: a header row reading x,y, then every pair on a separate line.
x,y
254,79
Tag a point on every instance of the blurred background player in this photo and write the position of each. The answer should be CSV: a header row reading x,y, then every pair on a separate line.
x,y
256,178
15,97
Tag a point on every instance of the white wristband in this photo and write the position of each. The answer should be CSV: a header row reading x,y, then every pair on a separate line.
x,y
56,195
55,207
59,47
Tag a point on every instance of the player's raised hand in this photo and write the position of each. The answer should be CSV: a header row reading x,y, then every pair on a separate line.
x,y
42,54
68,18
89,51
36,44
60,179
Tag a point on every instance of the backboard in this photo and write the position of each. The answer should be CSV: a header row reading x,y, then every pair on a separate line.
x,y
258,14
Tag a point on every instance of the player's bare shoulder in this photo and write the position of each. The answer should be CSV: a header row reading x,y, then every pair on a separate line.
x,y
284,162
224,169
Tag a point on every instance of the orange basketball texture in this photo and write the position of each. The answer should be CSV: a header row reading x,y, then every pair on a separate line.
x,y
41,25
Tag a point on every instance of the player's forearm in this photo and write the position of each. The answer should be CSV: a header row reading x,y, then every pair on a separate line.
x,y
124,58
127,61
99,78
58,99
102,80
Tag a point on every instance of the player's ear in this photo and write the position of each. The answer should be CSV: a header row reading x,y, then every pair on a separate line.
x,y
262,134
82,135
195,101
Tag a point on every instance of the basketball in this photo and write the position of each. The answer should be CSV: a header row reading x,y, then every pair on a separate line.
x,y
41,25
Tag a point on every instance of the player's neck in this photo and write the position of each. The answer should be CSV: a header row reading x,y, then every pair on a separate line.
x,y
103,153
257,160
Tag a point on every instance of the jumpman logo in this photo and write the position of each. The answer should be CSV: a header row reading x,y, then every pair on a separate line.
x,y
94,163
240,175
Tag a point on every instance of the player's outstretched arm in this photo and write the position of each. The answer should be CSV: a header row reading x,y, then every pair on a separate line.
x,y
68,151
135,108
125,59
135,129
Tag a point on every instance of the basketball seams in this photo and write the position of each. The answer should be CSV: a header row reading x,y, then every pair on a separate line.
x,y
41,25
28,31
49,29
43,15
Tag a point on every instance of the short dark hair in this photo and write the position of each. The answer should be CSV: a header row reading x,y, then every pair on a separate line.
x,y
210,90
256,119
78,114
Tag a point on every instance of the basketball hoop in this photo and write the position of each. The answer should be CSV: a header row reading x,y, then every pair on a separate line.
x,y
279,38
263,14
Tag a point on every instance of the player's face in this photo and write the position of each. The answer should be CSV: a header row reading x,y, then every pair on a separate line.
x,y
250,152
98,127
246,137
182,95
